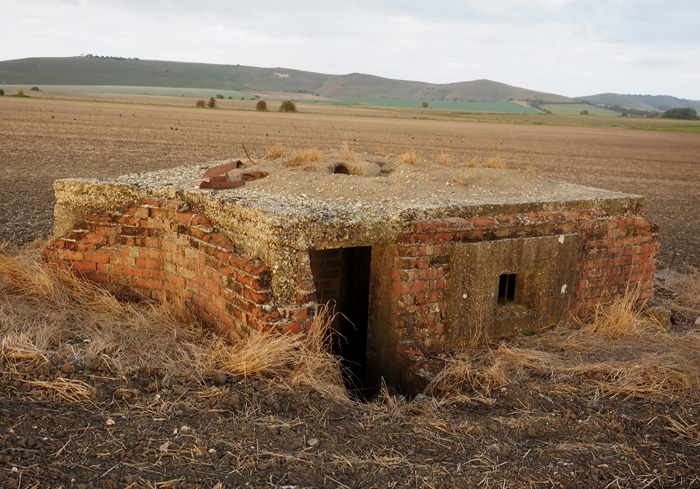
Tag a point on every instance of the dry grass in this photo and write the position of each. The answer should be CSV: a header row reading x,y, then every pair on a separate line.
x,y
387,149
409,158
495,161
45,313
275,151
347,153
617,354
302,159
446,159
687,287
293,359
619,318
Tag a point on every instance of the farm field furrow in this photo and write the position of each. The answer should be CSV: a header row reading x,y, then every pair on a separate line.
x,y
42,140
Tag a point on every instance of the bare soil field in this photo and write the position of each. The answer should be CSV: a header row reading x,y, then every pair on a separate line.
x,y
42,140
99,393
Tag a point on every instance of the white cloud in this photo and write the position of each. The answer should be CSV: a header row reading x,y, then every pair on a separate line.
x,y
571,47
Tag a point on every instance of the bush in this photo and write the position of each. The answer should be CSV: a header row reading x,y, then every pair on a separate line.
x,y
219,96
2,92
261,105
684,113
212,103
201,103
230,97
288,106
35,89
20,93
583,112
424,105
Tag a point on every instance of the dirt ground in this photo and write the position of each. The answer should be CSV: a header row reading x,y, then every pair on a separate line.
x,y
42,140
224,432
67,423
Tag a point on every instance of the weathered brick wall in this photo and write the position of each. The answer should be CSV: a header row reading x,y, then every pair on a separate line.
x,y
159,250
616,255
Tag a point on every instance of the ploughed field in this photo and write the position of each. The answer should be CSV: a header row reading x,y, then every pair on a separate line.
x,y
42,140
95,392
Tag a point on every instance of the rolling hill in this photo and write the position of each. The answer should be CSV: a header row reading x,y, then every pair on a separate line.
x,y
86,70
642,102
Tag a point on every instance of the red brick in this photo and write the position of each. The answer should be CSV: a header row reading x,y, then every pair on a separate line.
x,y
212,287
200,220
153,202
96,257
127,220
84,266
184,217
71,256
148,283
482,222
254,296
408,288
90,216
135,272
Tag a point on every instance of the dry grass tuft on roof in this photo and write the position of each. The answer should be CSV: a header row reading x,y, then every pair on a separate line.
x,y
275,151
302,159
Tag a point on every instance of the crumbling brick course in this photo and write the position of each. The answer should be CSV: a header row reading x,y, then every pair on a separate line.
x,y
180,254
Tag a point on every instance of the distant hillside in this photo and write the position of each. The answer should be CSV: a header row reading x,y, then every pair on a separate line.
x,y
149,73
643,102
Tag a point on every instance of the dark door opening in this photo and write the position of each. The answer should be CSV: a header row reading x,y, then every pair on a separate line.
x,y
341,276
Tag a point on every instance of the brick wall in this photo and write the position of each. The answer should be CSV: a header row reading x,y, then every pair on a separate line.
x,y
159,250
412,278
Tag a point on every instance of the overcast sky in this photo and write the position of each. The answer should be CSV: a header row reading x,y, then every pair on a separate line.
x,y
568,47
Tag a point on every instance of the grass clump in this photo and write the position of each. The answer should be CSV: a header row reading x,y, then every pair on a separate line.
x,y
302,159
347,153
495,161
446,159
387,149
275,151
409,158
